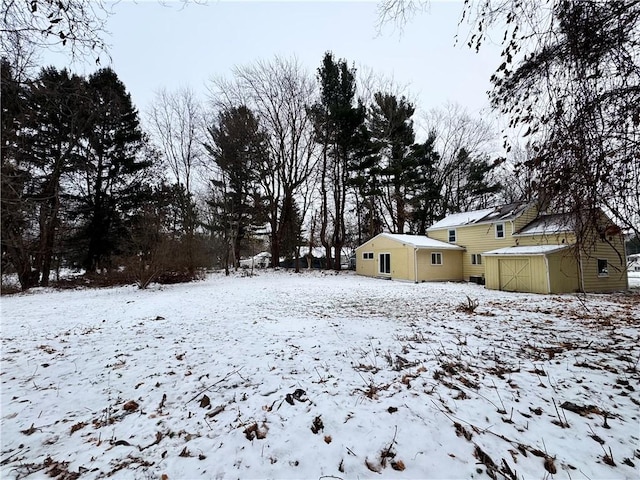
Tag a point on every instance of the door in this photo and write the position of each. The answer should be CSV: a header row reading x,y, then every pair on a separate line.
x,y
515,274
384,264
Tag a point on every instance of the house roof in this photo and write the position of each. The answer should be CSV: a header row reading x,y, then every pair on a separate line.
x,y
547,224
486,215
527,250
420,241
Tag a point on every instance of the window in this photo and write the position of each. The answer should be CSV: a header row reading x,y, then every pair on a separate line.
x,y
367,256
476,259
452,236
436,258
603,268
385,263
499,230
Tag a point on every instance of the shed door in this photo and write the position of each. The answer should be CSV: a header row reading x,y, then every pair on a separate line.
x,y
515,274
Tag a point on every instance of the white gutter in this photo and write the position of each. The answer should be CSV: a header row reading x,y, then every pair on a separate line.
x,y
415,263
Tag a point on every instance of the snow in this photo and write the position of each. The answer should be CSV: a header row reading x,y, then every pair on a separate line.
x,y
231,377
421,241
460,219
547,225
527,250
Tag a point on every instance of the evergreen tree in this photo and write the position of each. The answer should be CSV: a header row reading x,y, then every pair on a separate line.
x,y
423,185
392,133
112,172
56,119
238,147
339,129
16,211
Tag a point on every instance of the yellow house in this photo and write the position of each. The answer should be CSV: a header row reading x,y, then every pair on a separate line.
x,y
415,258
480,231
513,248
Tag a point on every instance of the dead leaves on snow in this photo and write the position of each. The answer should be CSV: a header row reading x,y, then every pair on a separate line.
x,y
254,431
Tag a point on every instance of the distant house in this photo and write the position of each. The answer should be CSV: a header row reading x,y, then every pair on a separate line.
x,y
261,260
415,258
510,247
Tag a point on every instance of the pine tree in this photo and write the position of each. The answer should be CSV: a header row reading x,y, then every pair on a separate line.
x,y
15,210
57,116
113,171
392,132
423,185
238,147
339,129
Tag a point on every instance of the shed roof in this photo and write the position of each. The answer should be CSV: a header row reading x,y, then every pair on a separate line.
x,y
486,215
421,241
527,250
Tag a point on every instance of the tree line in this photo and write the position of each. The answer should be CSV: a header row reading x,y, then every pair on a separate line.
x,y
302,159
326,159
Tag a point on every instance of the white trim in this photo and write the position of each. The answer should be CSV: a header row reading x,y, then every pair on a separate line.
x,y
455,235
504,230
441,259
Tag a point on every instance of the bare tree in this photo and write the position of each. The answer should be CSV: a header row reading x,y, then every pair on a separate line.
x,y
76,25
456,131
570,78
518,182
279,92
175,122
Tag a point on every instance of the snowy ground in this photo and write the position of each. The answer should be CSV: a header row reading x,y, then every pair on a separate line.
x,y
319,376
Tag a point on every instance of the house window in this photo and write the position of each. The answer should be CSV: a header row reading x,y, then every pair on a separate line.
x,y
367,256
499,230
603,268
436,258
452,236
385,263
476,259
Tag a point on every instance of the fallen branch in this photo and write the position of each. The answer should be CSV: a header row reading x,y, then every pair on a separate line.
x,y
213,385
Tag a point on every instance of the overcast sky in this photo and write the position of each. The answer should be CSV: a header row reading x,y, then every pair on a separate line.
x,y
167,44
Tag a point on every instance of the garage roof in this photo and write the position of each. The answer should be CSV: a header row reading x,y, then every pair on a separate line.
x,y
528,250
421,241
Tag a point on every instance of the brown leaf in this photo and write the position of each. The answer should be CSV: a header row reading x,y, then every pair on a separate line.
x,y
317,425
130,406
327,439
398,465
29,430
205,401
549,466
77,426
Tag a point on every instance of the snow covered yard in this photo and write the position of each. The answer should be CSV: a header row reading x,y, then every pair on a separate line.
x,y
319,375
